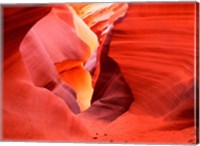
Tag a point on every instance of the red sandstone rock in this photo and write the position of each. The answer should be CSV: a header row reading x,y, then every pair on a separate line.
x,y
150,54
156,58
60,36
30,112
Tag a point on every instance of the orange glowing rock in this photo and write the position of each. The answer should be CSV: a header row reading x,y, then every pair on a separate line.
x,y
46,37
30,112
99,16
109,72
74,73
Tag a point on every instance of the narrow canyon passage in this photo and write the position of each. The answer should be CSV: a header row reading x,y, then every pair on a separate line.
x,y
100,72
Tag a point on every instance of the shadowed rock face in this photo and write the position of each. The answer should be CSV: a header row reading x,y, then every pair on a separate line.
x,y
154,47
112,72
31,112
112,96
46,38
157,58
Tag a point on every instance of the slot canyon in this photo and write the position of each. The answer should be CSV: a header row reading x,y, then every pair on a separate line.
x,y
100,72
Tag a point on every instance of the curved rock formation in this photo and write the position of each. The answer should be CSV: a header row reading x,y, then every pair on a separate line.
x,y
112,72
157,55
46,38
154,46
30,112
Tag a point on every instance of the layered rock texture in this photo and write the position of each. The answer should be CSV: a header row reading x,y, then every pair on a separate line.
x,y
104,72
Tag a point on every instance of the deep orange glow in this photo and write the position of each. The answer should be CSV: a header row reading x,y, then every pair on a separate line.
x,y
101,72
